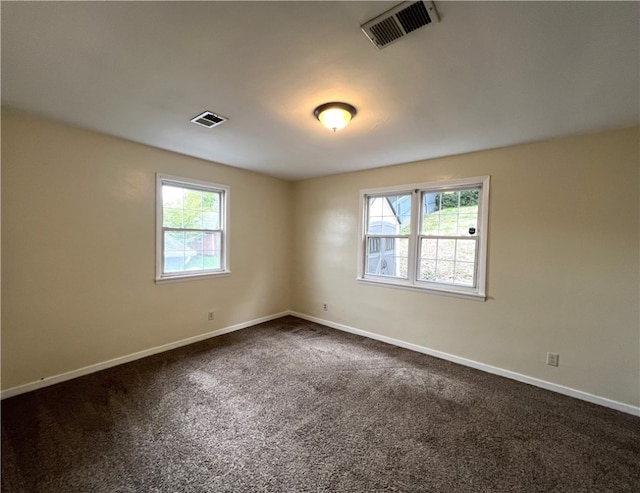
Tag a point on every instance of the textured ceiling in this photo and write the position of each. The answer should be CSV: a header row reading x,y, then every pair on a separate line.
x,y
488,75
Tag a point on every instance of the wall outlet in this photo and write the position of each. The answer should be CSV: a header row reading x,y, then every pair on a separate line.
x,y
553,359
325,307
210,315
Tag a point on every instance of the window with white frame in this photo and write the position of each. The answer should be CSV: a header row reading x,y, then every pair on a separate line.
x,y
433,236
192,233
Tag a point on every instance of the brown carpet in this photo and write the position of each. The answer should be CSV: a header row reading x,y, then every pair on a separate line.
x,y
292,406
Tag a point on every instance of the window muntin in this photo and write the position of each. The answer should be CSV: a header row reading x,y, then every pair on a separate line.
x,y
429,236
192,236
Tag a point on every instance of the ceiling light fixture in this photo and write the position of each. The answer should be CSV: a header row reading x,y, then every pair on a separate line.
x,y
335,115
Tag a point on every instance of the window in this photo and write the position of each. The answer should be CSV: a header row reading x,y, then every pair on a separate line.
x,y
192,234
428,236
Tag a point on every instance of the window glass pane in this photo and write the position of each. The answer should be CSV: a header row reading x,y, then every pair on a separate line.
x,y
431,214
173,261
389,215
174,251
172,197
444,271
174,240
212,246
401,205
193,241
192,199
428,256
210,201
448,202
464,273
172,218
450,213
465,250
427,270
373,245
392,262
429,249
211,259
192,218
194,262
210,220
465,224
446,249
450,261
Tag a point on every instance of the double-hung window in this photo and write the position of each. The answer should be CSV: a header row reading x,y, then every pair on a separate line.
x,y
192,231
427,236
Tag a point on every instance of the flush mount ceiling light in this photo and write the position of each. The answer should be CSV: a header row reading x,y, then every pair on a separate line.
x,y
335,115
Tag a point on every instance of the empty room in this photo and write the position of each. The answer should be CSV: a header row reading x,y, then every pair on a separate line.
x,y
351,246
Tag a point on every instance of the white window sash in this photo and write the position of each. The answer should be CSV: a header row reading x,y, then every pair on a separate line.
x,y
199,185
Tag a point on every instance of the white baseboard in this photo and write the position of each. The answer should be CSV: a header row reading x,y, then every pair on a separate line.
x,y
62,377
578,394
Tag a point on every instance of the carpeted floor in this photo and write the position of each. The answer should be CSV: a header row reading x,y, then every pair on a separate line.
x,y
292,406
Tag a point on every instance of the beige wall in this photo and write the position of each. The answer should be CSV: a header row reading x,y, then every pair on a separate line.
x,y
78,264
78,246
562,263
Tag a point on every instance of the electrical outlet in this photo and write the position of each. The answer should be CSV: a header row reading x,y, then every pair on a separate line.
x,y
210,316
325,307
553,359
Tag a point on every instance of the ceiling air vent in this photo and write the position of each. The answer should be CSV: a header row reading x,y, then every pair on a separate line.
x,y
209,119
389,27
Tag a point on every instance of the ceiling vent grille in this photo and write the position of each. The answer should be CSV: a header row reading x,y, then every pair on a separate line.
x,y
404,18
208,119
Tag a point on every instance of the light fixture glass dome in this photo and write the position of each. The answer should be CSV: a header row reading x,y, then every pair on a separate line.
x,y
335,116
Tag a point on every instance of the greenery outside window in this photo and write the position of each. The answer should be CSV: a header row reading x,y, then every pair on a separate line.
x,y
192,232
434,236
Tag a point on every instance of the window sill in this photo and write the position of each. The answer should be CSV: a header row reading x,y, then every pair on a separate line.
x,y
192,277
412,287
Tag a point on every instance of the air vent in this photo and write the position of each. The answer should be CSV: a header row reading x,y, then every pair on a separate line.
x,y
209,119
404,18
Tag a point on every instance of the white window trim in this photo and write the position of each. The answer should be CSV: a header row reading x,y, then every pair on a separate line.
x,y
474,293
164,179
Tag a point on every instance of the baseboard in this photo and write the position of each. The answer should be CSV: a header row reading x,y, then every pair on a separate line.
x,y
578,394
62,377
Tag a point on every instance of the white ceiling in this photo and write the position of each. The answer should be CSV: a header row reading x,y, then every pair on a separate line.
x,y
488,75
